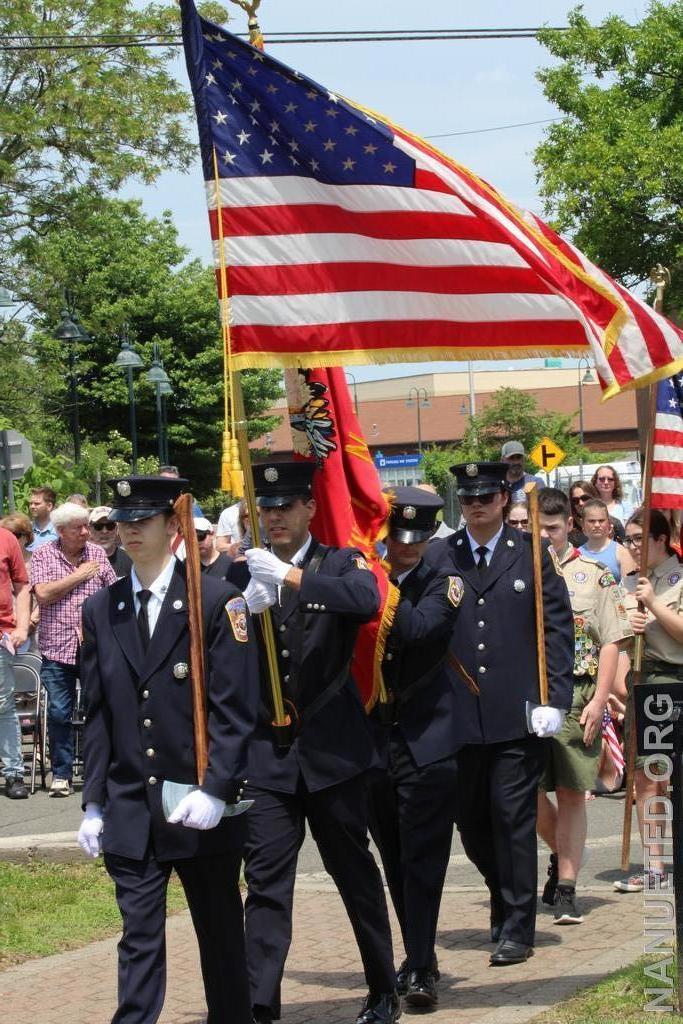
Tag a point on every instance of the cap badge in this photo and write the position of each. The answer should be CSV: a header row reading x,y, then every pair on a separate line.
x,y
409,512
519,586
271,474
471,469
123,488
180,670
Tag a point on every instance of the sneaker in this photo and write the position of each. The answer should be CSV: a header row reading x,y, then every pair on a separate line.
x,y
15,788
565,906
60,787
636,883
550,887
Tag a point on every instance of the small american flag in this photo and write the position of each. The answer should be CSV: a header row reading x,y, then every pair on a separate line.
x,y
667,462
349,240
609,734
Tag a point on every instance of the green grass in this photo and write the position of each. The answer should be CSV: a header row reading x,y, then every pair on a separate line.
x,y
619,999
47,908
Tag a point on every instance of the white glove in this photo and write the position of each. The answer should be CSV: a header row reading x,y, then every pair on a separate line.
x,y
198,810
259,596
266,567
91,829
547,721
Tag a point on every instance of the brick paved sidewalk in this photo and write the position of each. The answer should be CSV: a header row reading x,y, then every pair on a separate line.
x,y
323,984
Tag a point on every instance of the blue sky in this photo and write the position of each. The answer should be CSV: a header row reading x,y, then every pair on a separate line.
x,y
428,87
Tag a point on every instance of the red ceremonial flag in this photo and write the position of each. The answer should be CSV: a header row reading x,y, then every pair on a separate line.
x,y
350,240
351,509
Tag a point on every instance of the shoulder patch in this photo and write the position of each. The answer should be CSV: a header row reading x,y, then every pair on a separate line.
x,y
607,579
236,610
360,562
456,589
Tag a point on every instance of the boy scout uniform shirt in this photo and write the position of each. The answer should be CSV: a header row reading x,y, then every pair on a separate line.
x,y
667,583
599,613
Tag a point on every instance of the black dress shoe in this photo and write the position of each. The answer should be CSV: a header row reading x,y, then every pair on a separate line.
x,y
422,989
509,952
15,788
380,1009
402,978
262,1015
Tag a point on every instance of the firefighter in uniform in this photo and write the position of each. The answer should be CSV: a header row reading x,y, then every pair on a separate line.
x,y
499,726
412,800
319,596
139,732
573,756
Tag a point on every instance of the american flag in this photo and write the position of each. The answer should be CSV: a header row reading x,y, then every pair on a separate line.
x,y
349,240
609,734
667,455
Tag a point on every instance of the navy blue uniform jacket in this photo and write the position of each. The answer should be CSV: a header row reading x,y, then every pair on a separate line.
x,y
138,728
494,636
315,630
426,703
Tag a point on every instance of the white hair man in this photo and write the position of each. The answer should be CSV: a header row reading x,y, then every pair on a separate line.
x,y
63,573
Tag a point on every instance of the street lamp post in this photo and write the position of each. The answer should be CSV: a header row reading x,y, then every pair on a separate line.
x,y
70,331
157,376
421,401
128,360
348,375
586,379
165,390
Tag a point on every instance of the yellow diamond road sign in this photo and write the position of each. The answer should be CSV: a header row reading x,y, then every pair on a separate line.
x,y
547,455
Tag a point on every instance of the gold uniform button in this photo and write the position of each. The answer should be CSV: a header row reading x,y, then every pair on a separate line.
x,y
482,668
389,657
150,751
481,647
147,722
285,653
481,601
152,780
282,629
481,623
322,607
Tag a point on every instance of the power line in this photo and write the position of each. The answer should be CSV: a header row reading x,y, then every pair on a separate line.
x,y
498,128
81,41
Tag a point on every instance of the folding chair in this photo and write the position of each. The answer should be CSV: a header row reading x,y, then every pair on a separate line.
x,y
31,710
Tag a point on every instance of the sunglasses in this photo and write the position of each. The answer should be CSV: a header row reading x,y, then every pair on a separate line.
x,y
633,542
580,498
606,479
518,522
202,534
482,499
103,526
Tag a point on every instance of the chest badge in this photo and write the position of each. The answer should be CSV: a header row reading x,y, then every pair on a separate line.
x,y
180,670
519,586
177,605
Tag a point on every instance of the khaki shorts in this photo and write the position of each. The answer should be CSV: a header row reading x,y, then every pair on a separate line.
x,y
569,763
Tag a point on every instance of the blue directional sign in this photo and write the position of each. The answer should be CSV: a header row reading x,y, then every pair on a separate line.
x,y
390,461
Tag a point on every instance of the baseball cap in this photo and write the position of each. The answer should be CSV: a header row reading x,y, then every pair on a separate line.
x,y
511,448
100,512
202,524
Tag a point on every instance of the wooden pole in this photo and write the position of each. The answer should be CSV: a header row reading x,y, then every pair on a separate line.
x,y
660,277
193,569
531,492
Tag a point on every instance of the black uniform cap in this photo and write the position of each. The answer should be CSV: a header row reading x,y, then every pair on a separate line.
x,y
279,483
413,514
474,478
141,497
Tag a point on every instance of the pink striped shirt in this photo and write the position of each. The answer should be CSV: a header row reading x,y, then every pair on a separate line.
x,y
60,623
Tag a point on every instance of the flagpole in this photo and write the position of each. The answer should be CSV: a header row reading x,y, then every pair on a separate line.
x,y
241,480
531,491
660,278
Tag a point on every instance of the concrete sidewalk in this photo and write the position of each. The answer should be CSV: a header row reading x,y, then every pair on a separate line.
x,y
323,983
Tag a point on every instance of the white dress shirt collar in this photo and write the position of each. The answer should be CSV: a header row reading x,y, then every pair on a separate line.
x,y
490,545
298,558
158,588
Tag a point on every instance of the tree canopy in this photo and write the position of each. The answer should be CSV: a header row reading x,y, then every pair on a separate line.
x,y
611,170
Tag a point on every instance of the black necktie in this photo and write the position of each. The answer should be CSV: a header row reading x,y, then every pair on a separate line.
x,y
143,621
481,564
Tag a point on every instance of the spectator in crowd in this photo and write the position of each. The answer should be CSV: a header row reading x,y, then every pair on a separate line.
x,y
103,531
78,499
660,589
40,504
518,516
214,563
20,525
599,547
513,454
580,491
229,529
608,485
172,473
15,610
63,573
673,517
